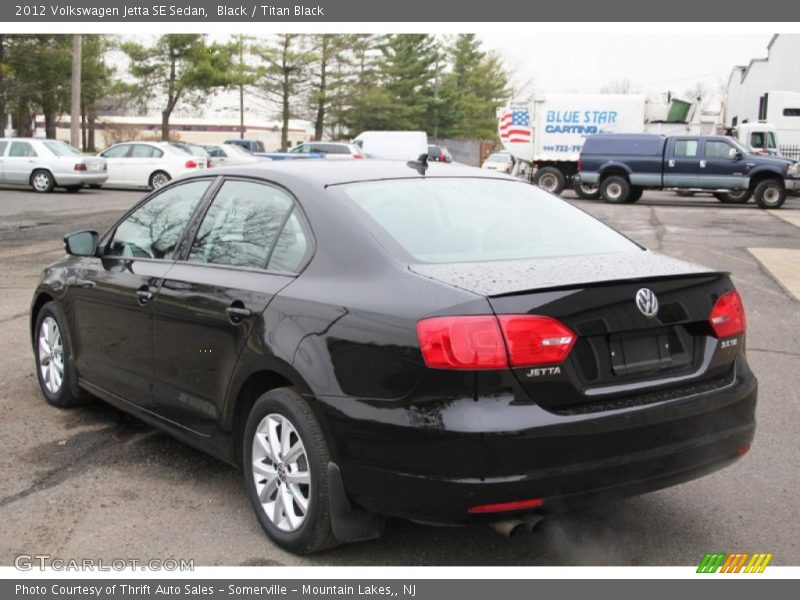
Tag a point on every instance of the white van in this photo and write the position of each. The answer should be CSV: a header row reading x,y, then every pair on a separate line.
x,y
398,145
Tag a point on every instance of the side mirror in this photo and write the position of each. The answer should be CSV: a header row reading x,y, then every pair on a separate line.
x,y
81,243
734,154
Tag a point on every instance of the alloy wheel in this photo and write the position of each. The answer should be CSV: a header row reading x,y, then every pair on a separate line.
x,y
51,355
281,472
41,182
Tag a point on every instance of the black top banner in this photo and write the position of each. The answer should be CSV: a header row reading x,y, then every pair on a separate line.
x,y
364,11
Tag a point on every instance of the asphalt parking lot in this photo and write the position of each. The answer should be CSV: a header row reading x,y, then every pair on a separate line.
x,y
92,482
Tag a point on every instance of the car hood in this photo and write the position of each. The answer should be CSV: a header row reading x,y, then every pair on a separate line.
x,y
770,160
494,278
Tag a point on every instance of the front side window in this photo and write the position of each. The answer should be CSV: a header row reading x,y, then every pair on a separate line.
x,y
717,149
117,151
686,148
154,229
241,225
472,219
21,149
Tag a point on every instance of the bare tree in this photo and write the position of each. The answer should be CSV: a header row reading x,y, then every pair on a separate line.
x,y
617,86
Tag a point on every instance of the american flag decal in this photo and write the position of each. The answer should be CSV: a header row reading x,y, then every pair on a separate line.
x,y
515,126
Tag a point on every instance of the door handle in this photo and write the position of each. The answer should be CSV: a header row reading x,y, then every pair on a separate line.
x,y
143,296
702,164
237,314
671,163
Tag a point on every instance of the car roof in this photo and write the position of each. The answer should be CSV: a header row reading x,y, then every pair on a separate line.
x,y
323,173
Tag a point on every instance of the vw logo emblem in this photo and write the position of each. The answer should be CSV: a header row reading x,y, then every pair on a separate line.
x,y
647,302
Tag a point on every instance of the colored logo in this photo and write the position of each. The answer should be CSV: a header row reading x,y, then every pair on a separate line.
x,y
736,562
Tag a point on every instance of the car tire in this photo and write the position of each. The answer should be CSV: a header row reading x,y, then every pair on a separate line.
x,y
634,195
73,189
42,181
158,179
549,179
770,194
615,189
55,368
586,191
737,197
267,477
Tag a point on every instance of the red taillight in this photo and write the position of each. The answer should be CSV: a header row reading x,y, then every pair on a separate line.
x,y
209,164
742,450
80,167
488,342
579,165
357,155
727,317
472,342
534,340
506,506
190,164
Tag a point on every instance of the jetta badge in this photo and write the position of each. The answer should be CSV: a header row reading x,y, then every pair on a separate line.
x,y
647,302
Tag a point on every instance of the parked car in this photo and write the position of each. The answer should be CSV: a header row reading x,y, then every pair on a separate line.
x,y
499,161
329,150
148,164
623,165
251,146
45,164
371,338
229,154
394,145
439,154
195,150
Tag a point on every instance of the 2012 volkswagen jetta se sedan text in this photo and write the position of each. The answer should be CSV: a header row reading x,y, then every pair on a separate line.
x,y
369,339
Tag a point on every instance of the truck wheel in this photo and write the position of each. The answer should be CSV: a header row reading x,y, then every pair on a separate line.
x,y
734,197
587,191
615,189
549,179
770,194
634,195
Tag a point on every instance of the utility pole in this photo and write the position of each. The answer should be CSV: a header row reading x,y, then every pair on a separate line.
x,y
75,108
241,87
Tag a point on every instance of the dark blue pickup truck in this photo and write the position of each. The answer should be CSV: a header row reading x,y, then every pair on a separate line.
x,y
623,165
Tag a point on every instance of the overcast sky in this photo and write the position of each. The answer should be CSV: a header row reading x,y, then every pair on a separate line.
x,y
566,62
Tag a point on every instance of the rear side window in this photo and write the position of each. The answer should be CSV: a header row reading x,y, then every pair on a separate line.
x,y
154,229
291,247
470,219
334,149
21,149
241,225
685,148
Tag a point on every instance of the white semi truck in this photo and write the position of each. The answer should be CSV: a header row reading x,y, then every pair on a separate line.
x,y
549,132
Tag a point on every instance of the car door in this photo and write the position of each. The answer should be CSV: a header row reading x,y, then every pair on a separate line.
x,y
682,162
245,250
3,147
20,162
113,293
144,161
116,159
722,166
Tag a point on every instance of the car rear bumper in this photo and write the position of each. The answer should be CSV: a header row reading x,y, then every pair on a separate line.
x,y
569,461
79,178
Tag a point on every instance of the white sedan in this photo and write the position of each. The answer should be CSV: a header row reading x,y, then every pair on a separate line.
x,y
148,164
44,164
230,154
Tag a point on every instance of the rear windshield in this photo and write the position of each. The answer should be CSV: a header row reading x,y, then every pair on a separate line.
x,y
464,220
60,148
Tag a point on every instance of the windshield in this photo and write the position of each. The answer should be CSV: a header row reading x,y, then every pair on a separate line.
x,y
234,149
60,148
498,158
472,219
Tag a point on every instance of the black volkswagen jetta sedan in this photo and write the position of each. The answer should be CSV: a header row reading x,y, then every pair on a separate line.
x,y
371,339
